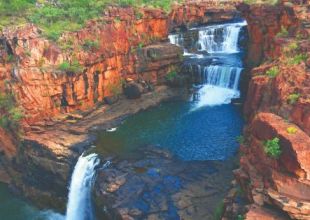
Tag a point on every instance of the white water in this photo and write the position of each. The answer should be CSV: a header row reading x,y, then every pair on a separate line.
x,y
220,38
220,82
176,39
79,203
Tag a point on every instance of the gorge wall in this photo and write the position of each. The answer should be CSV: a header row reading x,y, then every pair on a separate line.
x,y
277,106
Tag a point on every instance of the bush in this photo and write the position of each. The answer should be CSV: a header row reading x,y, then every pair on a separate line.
x,y
293,98
272,148
273,72
283,32
74,67
171,75
291,48
241,139
90,45
10,114
219,211
297,59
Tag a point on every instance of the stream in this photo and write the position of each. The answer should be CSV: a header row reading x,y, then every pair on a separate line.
x,y
202,128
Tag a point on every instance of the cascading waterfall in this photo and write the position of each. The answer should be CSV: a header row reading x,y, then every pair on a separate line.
x,y
220,38
220,85
79,203
220,74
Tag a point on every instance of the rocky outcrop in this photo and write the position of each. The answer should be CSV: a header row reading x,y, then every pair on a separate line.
x,y
277,106
195,13
264,23
159,186
82,68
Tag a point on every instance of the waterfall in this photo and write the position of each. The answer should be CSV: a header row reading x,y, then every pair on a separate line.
x,y
220,38
219,70
176,39
221,76
220,85
79,203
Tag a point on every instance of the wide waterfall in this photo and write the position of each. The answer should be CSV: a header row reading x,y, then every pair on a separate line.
x,y
215,60
79,203
220,38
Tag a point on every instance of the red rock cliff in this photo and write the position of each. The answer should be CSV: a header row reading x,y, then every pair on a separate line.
x,y
277,106
123,46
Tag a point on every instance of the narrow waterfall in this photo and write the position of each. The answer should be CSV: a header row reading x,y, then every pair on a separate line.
x,y
217,71
79,203
176,39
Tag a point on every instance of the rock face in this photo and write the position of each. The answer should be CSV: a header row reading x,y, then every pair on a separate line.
x,y
82,68
277,106
264,23
195,13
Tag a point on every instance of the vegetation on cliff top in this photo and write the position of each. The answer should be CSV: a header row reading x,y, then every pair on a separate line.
x,y
57,16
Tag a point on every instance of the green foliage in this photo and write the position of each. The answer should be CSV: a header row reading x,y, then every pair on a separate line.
x,y
219,211
272,148
90,45
240,217
65,15
291,130
293,98
241,139
171,75
74,67
10,114
140,45
293,46
283,32
270,2
297,59
273,72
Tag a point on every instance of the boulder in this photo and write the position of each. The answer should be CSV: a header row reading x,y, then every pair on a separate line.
x,y
133,90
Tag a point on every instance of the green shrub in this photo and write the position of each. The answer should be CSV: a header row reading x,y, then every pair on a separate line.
x,y
171,75
291,48
10,114
297,59
273,72
74,67
293,98
241,139
90,45
240,217
283,32
272,148
219,211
